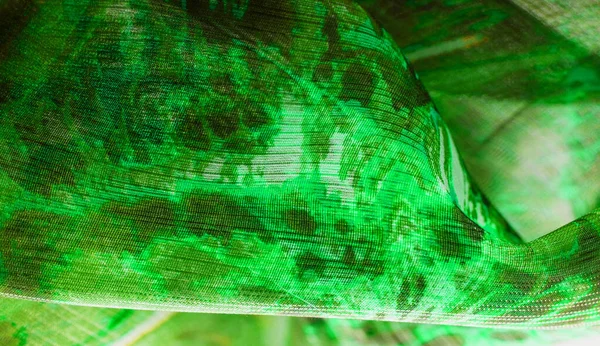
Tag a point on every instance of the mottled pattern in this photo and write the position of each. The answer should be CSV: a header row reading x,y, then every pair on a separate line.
x,y
521,97
267,157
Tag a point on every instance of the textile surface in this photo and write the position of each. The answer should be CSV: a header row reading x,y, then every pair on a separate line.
x,y
284,158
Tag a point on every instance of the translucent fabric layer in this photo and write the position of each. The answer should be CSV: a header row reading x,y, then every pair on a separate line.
x,y
283,158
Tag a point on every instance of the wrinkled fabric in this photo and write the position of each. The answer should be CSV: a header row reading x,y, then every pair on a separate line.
x,y
283,158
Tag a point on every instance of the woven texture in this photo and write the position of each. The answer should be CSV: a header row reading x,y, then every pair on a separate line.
x,y
283,158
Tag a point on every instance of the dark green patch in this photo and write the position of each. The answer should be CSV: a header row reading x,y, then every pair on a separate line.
x,y
301,221
221,215
255,116
449,242
49,165
310,261
5,91
412,291
358,83
87,101
330,29
222,121
15,15
468,226
192,133
406,91
319,144
264,295
147,119
349,257
323,72
190,272
519,279
587,257
276,15
372,268
25,248
342,226
224,85
114,147
151,216
244,143
376,26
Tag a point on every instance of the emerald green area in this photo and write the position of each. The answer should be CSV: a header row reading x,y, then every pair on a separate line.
x,y
283,158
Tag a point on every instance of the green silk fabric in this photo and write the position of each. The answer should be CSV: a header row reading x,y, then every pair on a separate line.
x,y
283,159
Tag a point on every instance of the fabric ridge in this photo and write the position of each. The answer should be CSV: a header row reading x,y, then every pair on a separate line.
x,y
161,160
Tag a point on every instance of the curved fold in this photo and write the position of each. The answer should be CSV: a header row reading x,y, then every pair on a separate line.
x,y
265,157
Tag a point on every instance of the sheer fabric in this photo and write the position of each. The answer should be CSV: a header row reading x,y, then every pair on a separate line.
x,y
283,158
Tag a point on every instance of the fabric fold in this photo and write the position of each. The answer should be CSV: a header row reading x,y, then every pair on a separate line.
x,y
253,157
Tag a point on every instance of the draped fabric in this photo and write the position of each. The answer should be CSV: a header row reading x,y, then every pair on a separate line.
x,y
283,159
